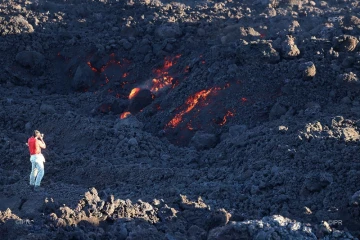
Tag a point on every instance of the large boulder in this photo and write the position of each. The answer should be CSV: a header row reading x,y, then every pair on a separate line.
x,y
83,77
345,43
289,48
168,31
202,140
35,61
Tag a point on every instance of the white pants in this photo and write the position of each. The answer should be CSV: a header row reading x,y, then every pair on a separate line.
x,y
37,169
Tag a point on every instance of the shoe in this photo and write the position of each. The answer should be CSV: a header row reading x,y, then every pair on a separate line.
x,y
38,189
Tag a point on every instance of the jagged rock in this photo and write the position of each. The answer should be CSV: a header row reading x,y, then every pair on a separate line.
x,y
83,77
289,48
130,121
218,218
249,53
277,111
237,130
316,183
355,199
308,70
350,134
33,60
126,44
348,78
47,109
202,140
345,43
133,142
168,31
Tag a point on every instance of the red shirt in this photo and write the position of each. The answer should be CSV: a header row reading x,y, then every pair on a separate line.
x,y
35,146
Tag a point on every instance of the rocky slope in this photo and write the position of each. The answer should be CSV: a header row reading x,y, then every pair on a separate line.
x,y
181,119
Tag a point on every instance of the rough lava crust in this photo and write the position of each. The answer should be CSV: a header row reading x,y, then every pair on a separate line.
x,y
181,119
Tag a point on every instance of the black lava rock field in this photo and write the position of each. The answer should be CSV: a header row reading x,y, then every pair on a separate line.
x,y
174,120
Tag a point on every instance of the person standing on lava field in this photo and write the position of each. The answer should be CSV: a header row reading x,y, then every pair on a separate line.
x,y
36,143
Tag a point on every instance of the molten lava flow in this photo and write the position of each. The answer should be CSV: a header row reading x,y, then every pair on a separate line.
x,y
228,114
134,92
162,78
91,66
190,103
125,115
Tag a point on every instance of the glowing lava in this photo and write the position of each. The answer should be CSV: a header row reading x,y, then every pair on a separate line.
x,y
163,78
125,115
112,61
134,92
228,114
92,67
190,103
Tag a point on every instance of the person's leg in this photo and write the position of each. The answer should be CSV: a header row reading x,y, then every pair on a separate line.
x,y
40,167
34,171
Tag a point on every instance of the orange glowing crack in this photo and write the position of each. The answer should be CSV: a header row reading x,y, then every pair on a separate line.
x,y
91,67
134,92
162,78
125,115
190,103
228,114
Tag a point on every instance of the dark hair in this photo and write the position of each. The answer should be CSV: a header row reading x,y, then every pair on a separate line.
x,y
36,132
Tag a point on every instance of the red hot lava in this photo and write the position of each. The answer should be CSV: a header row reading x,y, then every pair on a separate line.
x,y
125,115
190,103
134,92
228,114
163,78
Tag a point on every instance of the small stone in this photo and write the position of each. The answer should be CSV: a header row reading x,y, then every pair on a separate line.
x,y
277,111
355,199
201,32
325,228
47,109
126,44
308,70
133,142
289,48
283,129
237,130
202,140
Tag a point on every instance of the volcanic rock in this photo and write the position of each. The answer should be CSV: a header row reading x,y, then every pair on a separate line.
x,y
350,134
250,52
345,43
33,60
315,183
82,78
142,99
308,70
211,67
237,130
168,31
277,111
355,199
47,109
202,140
348,78
218,218
130,121
289,48
126,44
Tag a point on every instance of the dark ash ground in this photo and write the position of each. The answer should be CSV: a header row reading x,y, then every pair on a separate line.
x,y
245,124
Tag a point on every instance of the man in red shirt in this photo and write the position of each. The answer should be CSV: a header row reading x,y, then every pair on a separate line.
x,y
36,143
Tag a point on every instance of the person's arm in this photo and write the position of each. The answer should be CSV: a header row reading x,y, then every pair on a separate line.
x,y
41,143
